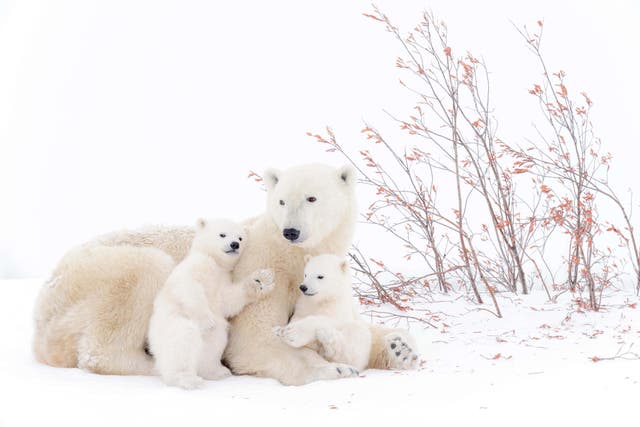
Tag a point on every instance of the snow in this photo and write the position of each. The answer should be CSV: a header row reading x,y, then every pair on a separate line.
x,y
544,374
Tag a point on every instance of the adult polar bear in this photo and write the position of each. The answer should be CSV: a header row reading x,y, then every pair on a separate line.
x,y
94,312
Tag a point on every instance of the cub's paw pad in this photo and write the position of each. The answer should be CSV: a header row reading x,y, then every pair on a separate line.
x,y
401,352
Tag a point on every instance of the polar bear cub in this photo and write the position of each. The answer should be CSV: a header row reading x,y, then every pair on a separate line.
x,y
326,317
188,328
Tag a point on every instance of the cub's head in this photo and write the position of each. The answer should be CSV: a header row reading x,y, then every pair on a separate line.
x,y
309,202
222,239
325,276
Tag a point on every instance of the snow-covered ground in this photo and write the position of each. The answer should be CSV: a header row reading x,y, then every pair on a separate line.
x,y
535,367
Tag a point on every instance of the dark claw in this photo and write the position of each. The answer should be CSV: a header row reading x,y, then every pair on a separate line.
x,y
397,353
147,350
393,345
339,371
404,360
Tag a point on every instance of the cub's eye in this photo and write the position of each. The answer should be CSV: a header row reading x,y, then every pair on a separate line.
x,y
223,235
320,277
240,239
281,202
311,199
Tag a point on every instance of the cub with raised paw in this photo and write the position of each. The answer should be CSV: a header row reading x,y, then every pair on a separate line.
x,y
188,328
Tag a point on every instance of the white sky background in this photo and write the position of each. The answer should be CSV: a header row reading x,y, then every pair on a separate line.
x,y
122,113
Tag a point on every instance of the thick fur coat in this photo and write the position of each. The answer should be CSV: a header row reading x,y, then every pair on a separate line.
x,y
94,312
326,317
188,328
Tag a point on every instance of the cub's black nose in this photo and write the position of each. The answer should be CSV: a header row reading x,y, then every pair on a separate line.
x,y
234,245
291,234
303,288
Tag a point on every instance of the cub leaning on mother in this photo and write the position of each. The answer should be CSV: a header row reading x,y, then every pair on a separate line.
x,y
94,311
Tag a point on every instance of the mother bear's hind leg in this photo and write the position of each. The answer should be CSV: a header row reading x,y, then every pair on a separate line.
x,y
392,349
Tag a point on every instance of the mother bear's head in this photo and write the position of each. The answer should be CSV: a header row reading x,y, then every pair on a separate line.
x,y
309,203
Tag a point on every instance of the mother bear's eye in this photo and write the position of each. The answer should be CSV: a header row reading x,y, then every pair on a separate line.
x,y
320,277
240,239
281,202
311,199
223,235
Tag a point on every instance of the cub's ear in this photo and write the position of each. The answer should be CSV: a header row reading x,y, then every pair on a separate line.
x,y
201,223
307,257
344,266
271,178
347,174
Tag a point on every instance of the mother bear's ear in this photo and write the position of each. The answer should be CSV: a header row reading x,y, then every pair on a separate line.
x,y
347,174
271,178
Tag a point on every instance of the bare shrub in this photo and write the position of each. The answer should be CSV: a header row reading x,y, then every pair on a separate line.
x,y
569,158
503,244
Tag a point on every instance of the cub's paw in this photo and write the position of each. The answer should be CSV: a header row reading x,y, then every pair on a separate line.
x,y
185,381
401,351
291,335
343,371
263,281
215,373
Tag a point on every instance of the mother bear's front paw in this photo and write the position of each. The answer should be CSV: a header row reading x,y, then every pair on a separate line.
x,y
343,370
401,351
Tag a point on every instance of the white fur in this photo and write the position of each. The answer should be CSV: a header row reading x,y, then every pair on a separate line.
x,y
104,292
289,204
188,328
326,317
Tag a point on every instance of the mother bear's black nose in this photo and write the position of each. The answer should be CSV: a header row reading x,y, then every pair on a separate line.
x,y
234,245
291,234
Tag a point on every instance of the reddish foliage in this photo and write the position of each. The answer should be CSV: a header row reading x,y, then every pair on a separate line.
x,y
451,131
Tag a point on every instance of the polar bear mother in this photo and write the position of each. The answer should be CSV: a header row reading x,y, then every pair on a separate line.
x,y
94,312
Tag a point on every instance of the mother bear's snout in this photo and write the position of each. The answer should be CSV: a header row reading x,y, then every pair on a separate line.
x,y
291,234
